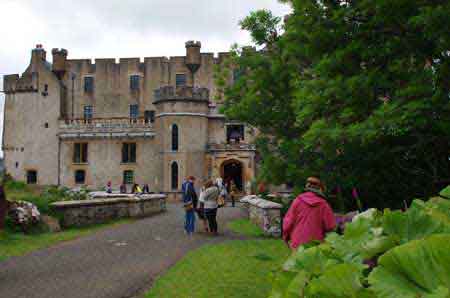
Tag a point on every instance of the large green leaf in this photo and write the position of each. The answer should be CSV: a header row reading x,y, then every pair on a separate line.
x,y
313,260
445,193
420,268
339,281
411,225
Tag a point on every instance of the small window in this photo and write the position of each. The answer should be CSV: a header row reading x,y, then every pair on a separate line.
x,y
80,153
80,177
174,137
180,79
134,111
128,177
149,116
134,82
88,84
45,88
31,177
235,133
128,152
46,125
17,165
174,174
88,112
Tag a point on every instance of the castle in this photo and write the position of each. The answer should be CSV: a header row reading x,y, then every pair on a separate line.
x,y
75,123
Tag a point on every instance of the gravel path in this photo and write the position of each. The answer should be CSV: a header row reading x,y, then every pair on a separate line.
x,y
119,262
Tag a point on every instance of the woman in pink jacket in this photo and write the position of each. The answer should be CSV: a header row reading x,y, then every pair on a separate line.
x,y
310,216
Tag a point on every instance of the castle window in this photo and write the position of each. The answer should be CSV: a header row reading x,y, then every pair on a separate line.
x,y
236,74
46,125
80,177
88,112
235,133
174,174
128,177
149,116
134,82
134,111
180,79
88,84
80,152
128,152
174,137
17,165
31,177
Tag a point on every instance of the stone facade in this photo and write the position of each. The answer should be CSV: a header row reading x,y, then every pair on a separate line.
x,y
52,110
265,214
101,209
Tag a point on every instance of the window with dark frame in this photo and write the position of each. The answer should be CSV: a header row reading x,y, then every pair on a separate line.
x,y
180,79
134,111
174,175
80,152
88,112
174,137
32,177
128,152
80,177
88,84
235,132
134,82
128,177
149,116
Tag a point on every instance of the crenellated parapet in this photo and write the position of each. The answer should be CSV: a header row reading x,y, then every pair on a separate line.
x,y
185,93
28,82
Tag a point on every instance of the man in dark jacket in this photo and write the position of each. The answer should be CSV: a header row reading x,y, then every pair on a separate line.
x,y
190,201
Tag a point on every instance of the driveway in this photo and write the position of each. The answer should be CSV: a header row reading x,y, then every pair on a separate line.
x,y
118,262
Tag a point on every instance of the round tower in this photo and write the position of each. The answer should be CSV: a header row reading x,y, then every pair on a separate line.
x,y
182,123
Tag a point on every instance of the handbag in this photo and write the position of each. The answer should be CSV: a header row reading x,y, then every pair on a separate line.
x,y
188,207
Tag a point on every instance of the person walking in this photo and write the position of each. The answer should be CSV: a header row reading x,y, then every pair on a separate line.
x,y
209,198
190,201
233,192
109,187
4,206
310,217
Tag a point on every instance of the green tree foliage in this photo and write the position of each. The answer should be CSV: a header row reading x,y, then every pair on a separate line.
x,y
357,91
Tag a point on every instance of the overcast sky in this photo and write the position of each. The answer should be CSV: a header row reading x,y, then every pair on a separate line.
x,y
119,28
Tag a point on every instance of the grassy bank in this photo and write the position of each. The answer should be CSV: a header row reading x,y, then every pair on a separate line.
x,y
232,269
17,244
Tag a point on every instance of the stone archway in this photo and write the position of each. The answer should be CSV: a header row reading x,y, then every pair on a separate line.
x,y
233,170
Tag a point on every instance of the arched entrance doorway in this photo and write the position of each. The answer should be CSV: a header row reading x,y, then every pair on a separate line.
x,y
231,170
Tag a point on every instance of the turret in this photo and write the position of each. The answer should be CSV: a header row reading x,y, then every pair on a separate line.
x,y
59,62
193,57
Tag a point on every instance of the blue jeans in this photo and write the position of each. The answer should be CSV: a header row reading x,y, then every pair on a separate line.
x,y
189,224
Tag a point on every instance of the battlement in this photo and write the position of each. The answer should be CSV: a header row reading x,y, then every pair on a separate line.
x,y
193,43
186,93
28,82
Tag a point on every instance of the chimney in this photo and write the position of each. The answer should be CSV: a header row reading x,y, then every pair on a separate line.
x,y
59,62
38,55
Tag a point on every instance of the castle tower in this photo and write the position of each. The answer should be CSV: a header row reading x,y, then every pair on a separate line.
x,y
193,57
182,120
59,62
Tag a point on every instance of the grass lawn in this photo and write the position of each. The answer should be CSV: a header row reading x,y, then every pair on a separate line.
x,y
231,269
245,227
17,244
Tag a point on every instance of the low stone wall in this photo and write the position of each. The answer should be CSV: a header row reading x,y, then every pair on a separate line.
x,y
265,214
103,207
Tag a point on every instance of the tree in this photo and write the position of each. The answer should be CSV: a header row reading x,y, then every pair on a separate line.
x,y
357,91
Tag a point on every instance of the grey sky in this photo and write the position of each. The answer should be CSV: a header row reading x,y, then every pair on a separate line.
x,y
118,28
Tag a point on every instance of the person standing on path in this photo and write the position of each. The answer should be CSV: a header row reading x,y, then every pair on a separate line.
x,y
190,201
310,216
233,192
209,198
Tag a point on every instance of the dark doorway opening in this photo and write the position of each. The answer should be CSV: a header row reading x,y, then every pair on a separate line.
x,y
32,177
232,171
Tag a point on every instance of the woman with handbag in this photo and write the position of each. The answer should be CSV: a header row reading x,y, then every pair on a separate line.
x,y
209,198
